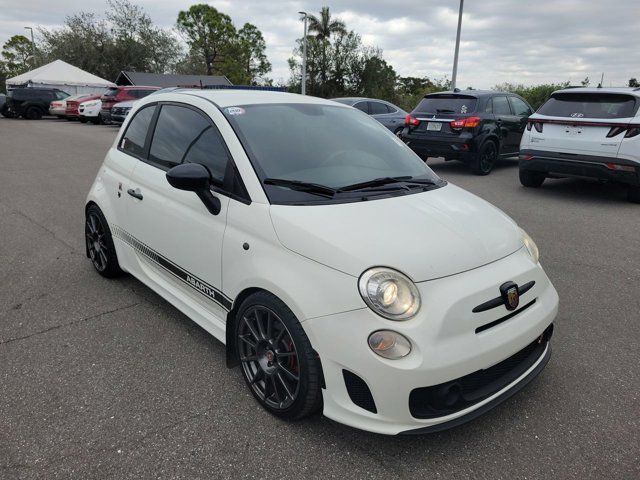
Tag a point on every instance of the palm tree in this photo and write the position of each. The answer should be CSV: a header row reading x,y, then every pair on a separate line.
x,y
323,27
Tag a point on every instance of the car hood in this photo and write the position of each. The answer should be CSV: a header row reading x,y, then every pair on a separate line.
x,y
425,235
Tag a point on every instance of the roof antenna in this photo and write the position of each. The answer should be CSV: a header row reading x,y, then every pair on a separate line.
x,y
601,80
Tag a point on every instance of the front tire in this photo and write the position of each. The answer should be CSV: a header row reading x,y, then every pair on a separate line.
x,y
531,179
99,243
33,113
485,159
82,120
278,363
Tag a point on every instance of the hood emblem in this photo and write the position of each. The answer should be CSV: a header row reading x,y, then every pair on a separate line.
x,y
510,295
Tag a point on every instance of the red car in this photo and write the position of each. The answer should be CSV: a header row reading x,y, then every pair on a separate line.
x,y
122,94
71,110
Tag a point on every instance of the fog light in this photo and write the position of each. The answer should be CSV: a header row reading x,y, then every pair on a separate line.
x,y
389,344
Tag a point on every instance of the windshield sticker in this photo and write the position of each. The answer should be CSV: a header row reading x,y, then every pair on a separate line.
x,y
463,109
235,110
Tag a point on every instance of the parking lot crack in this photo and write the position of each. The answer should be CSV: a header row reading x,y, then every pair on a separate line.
x,y
50,232
74,322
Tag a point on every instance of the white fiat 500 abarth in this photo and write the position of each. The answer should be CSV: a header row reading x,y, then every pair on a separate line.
x,y
339,270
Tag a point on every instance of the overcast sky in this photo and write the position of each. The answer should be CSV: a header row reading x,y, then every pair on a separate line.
x,y
514,41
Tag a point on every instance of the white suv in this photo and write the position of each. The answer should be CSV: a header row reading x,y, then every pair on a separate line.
x,y
585,132
339,270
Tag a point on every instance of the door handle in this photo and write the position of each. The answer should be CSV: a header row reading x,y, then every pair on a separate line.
x,y
135,193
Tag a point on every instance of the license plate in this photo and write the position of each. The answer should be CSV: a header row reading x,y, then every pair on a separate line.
x,y
434,126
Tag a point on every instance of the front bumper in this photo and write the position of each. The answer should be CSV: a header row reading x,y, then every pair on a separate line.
x,y
445,347
581,166
57,112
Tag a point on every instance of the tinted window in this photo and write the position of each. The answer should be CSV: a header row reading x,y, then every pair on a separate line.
x,y
362,106
447,104
489,107
111,92
519,107
134,138
141,93
323,144
377,108
501,106
590,105
184,135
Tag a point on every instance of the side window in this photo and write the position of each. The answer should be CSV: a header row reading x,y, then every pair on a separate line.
x,y
519,107
142,93
501,106
133,141
362,106
489,107
377,108
184,135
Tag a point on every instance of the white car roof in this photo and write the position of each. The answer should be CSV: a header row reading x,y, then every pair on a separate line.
x,y
228,97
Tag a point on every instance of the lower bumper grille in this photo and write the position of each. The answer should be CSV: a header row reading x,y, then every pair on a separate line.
x,y
450,397
359,392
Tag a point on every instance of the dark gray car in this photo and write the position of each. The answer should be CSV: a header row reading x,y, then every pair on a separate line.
x,y
386,113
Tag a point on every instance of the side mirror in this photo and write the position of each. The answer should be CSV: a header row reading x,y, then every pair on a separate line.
x,y
193,177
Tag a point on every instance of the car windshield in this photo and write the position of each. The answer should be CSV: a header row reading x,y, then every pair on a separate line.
x,y
325,148
111,92
590,105
446,104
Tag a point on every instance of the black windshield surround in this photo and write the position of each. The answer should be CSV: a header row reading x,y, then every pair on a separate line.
x,y
305,153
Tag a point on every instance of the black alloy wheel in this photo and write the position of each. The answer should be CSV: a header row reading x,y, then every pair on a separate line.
x,y
33,113
485,159
100,248
278,363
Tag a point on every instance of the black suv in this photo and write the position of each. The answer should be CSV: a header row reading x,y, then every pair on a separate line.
x,y
31,103
474,126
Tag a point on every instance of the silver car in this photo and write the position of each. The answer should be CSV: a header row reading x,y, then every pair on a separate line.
x,y
388,114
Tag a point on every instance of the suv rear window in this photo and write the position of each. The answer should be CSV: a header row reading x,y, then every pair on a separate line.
x,y
447,104
590,105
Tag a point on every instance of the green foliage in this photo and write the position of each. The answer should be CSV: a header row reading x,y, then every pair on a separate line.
x,y
536,95
410,90
16,56
125,39
217,48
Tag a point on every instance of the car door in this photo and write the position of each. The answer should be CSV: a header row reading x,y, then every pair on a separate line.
x,y
508,124
381,113
178,243
521,110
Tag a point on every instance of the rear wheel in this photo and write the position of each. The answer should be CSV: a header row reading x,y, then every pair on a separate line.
x,y
5,112
82,120
277,360
633,194
100,248
486,158
531,179
33,113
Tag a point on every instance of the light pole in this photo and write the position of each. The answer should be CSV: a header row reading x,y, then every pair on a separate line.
x,y
304,54
455,56
33,47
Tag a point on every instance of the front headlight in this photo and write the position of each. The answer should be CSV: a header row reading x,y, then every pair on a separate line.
x,y
389,293
531,246
91,104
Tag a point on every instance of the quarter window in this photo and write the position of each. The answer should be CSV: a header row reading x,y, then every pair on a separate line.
x,y
501,106
377,108
134,138
519,107
184,135
362,106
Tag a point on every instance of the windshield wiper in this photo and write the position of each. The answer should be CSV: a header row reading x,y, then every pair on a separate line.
x,y
300,186
378,182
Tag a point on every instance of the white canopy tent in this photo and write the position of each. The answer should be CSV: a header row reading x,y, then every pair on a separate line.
x,y
61,75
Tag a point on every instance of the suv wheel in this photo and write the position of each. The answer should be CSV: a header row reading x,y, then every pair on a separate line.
x,y
633,194
5,112
100,248
485,159
531,179
33,113
278,363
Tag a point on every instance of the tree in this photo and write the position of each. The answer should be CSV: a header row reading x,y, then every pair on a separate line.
x,y
209,33
323,27
634,83
536,95
16,56
125,39
252,53
585,82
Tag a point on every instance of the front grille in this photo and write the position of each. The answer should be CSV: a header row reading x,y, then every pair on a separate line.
x,y
450,397
118,111
359,392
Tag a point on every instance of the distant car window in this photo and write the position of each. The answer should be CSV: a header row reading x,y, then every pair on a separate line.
x,y
501,105
489,107
133,141
590,105
143,93
447,103
377,108
519,107
184,135
111,92
362,106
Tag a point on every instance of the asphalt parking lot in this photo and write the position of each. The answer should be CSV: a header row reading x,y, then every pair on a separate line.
x,y
104,379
